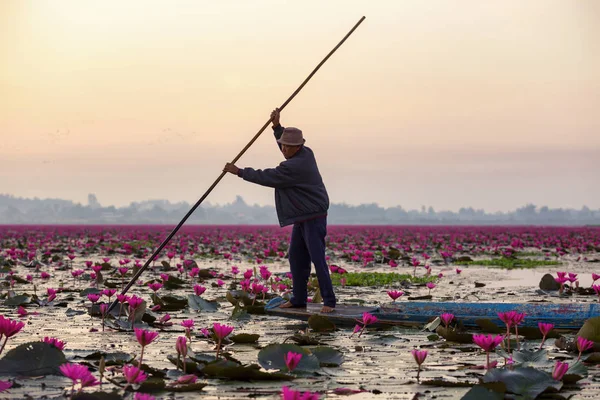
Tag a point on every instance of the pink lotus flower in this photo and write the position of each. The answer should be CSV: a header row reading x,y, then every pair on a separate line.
x,y
59,344
45,275
164,277
8,329
187,379
583,344
51,294
544,329
155,286
22,312
446,319
419,356
78,373
289,394
5,385
199,290
221,331
430,285
597,290
145,337
291,360
595,277
93,297
395,294
393,263
458,271
143,396
220,282
487,343
560,369
133,374
181,347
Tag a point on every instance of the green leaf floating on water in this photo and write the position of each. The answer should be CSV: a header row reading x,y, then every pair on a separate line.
x,y
199,304
480,392
229,370
319,323
527,382
273,357
328,356
32,359
172,303
192,387
576,372
245,338
19,300
87,291
98,396
535,358
590,329
452,335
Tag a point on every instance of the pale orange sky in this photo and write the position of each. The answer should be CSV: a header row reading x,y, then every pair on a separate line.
x,y
490,104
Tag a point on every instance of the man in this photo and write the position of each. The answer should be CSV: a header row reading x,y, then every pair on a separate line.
x,y
300,199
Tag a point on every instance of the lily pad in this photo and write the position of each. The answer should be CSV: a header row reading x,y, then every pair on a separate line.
x,y
527,382
192,387
319,323
245,338
173,283
479,392
239,314
32,359
98,396
19,300
529,358
575,373
328,356
198,303
172,303
273,357
87,291
110,358
229,370
452,335
590,329
432,326
488,326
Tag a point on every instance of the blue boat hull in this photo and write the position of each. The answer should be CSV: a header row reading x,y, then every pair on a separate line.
x,y
567,316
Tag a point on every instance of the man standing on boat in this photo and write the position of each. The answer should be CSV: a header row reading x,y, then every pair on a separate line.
x,y
300,199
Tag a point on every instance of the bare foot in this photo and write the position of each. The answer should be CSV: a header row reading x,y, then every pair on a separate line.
x,y
327,309
289,304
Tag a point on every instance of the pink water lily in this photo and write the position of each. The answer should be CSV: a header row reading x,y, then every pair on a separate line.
x,y
419,356
560,369
291,360
8,329
446,319
487,343
395,294
290,394
544,329
221,331
134,375
59,344
583,344
5,385
199,290
181,347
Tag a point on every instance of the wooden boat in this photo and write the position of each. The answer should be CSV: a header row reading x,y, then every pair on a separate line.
x,y
567,316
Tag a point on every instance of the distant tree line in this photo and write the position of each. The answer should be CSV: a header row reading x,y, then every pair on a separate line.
x,y
17,210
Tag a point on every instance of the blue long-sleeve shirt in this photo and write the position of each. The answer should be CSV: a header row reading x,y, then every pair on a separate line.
x,y
300,193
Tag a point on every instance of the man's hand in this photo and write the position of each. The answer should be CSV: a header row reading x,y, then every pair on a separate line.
x,y
275,117
229,167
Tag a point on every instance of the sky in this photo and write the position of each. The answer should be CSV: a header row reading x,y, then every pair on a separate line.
x,y
484,104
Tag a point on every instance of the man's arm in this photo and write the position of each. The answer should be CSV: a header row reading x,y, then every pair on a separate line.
x,y
277,128
279,177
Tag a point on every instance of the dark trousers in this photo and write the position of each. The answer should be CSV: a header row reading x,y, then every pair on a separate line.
x,y
308,244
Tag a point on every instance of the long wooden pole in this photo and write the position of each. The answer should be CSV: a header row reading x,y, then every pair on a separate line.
x,y
174,231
